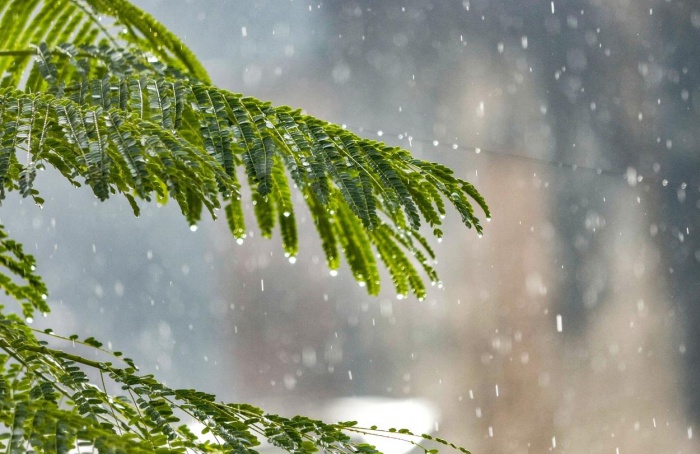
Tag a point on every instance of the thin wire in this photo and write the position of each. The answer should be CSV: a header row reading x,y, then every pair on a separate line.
x,y
630,175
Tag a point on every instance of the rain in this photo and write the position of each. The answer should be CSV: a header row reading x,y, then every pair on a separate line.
x,y
570,326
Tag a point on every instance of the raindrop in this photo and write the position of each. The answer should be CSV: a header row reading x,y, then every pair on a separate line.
x,y
193,228
239,240
477,150
695,19
681,195
435,143
29,320
400,296
341,73
292,260
286,214
560,324
119,288
289,382
380,133
334,273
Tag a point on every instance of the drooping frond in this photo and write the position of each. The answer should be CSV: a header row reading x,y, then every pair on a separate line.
x,y
137,127
166,96
37,381
24,23
18,279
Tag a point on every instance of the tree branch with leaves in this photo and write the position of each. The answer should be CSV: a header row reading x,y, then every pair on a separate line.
x,y
107,96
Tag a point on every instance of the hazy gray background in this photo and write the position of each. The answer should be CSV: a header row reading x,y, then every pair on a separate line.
x,y
571,326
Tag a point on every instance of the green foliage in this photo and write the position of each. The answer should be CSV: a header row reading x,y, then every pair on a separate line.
x,y
103,93
123,122
30,292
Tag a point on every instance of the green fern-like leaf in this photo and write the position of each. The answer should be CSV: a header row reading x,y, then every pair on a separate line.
x,y
110,98
18,278
111,145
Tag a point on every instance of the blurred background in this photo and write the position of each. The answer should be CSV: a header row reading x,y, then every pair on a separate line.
x,y
571,326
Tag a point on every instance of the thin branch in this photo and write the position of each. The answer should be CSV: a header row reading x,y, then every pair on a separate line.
x,y
18,53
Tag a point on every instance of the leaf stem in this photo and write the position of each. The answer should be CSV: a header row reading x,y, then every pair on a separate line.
x,y
17,53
